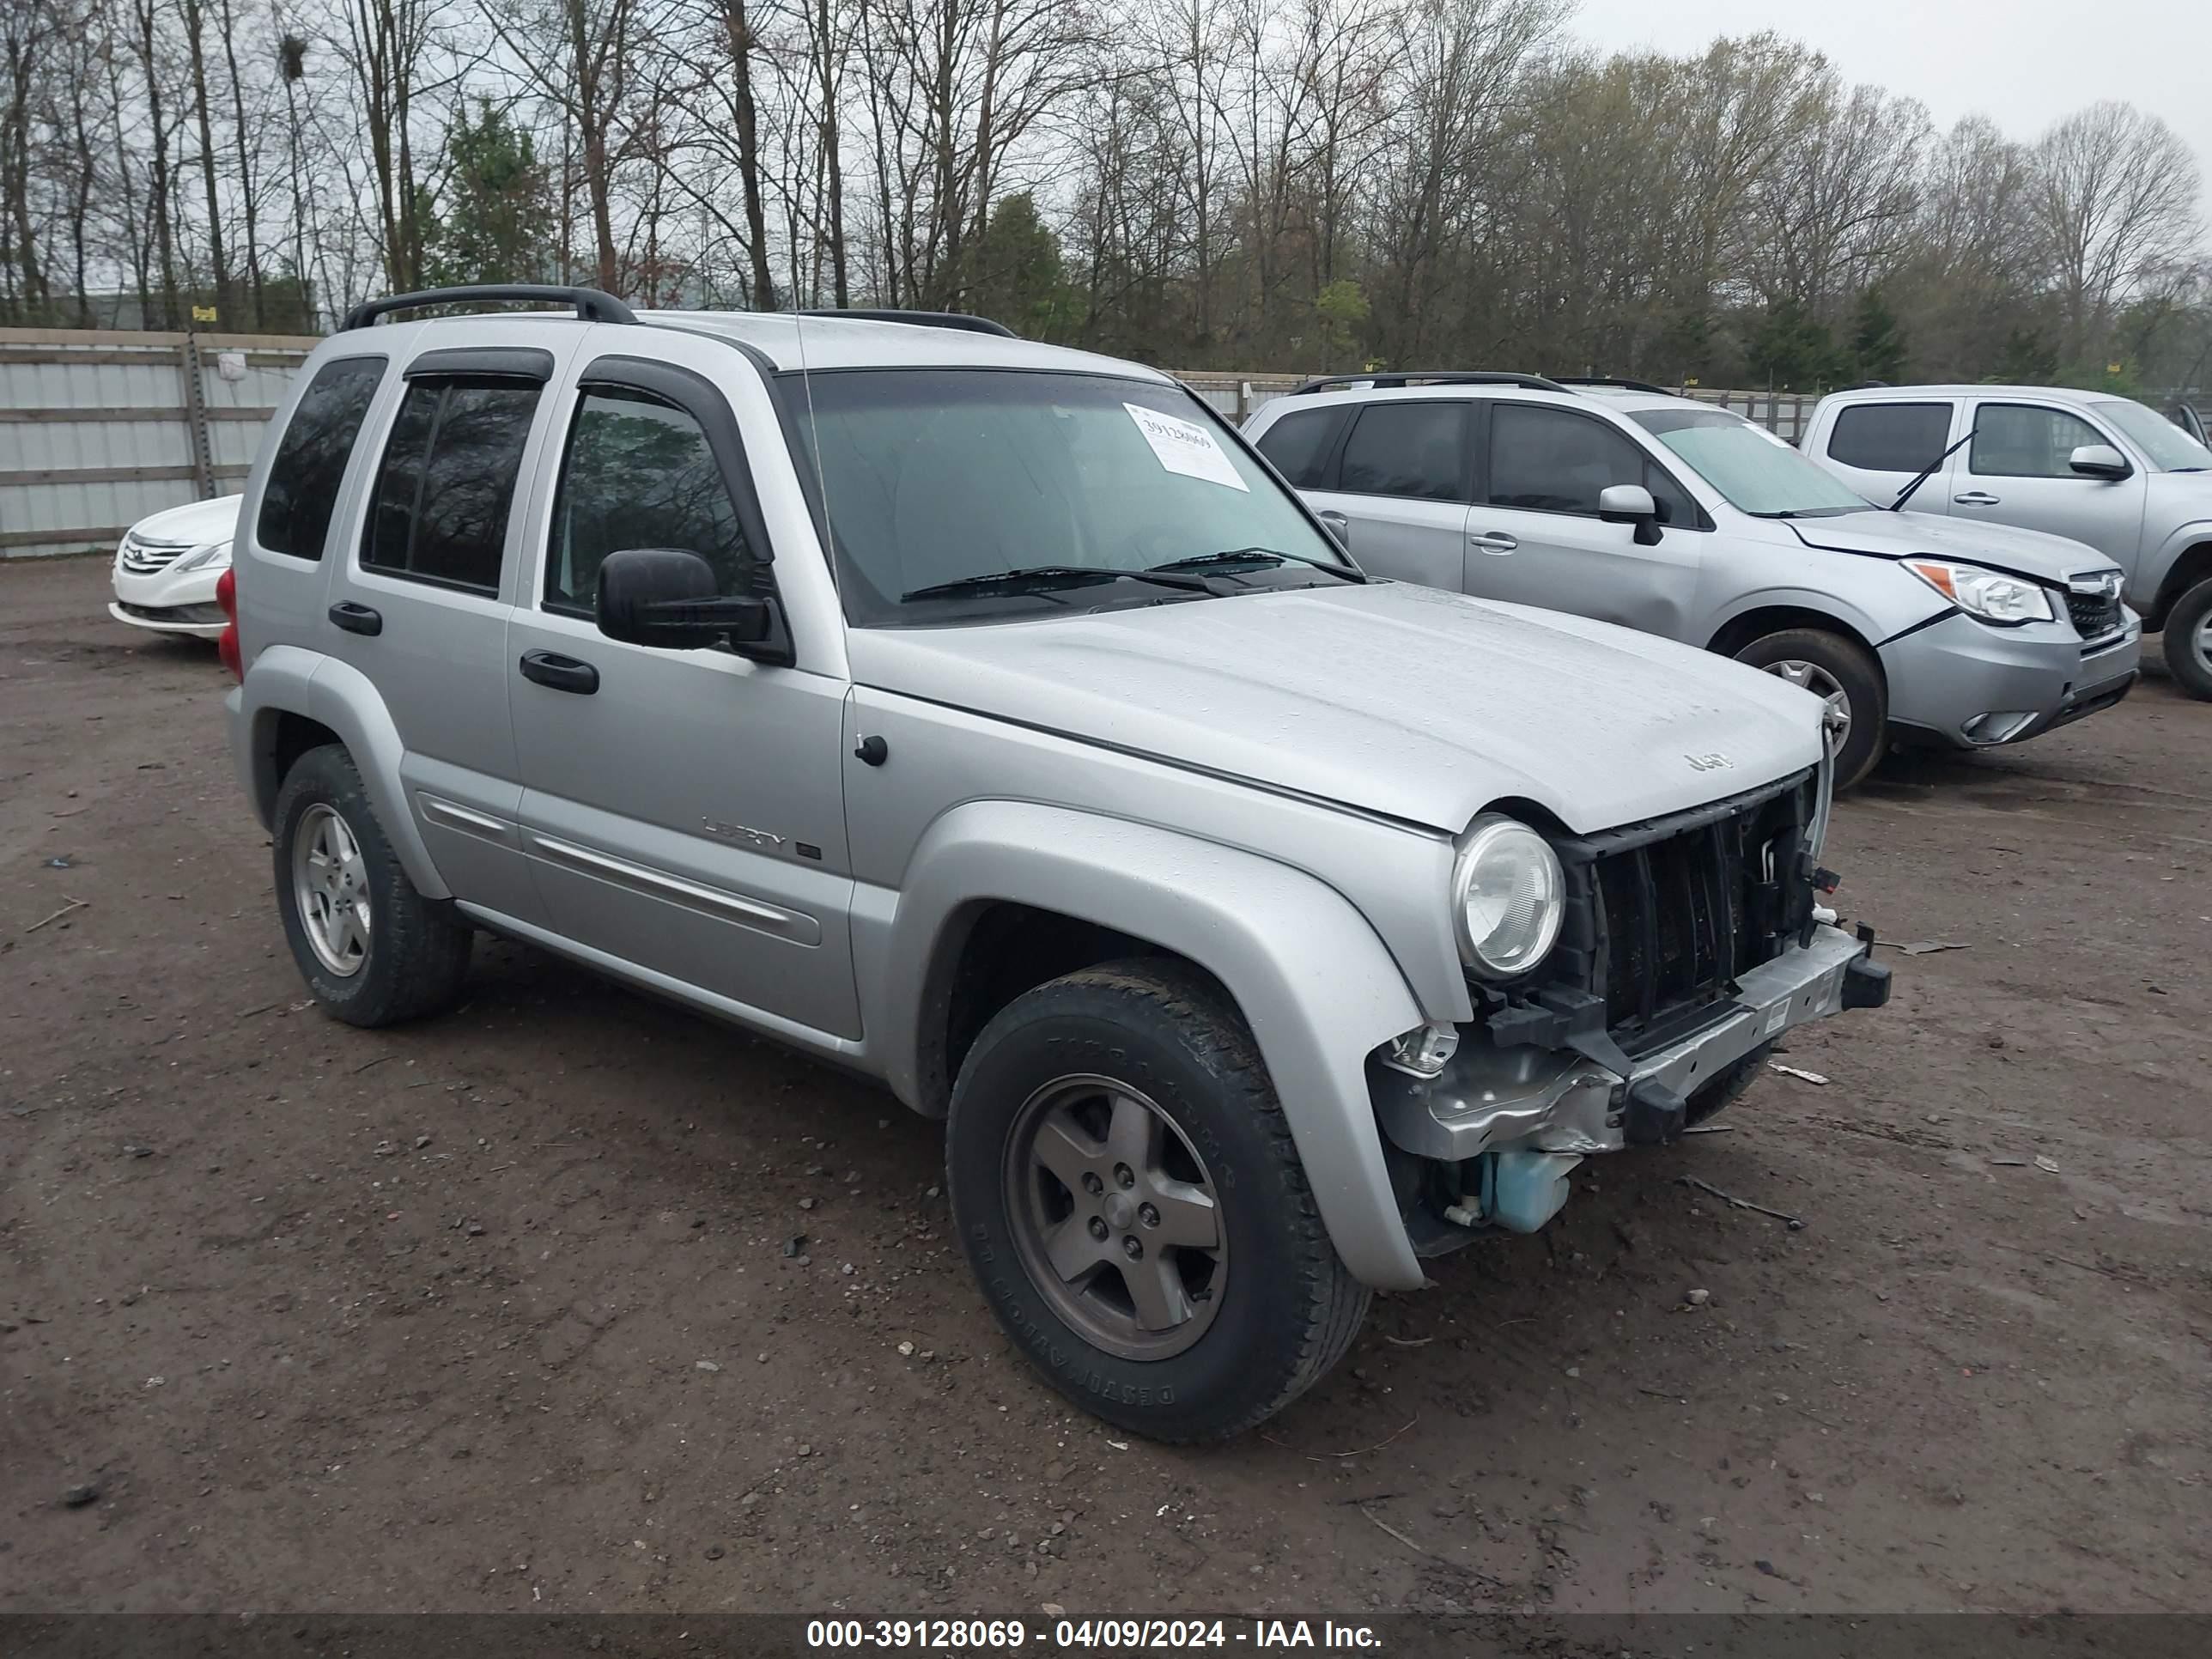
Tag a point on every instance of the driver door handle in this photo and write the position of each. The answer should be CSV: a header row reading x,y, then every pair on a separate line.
x,y
1492,541
560,673
1976,498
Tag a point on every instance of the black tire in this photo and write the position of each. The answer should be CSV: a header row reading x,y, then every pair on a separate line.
x,y
416,952
2186,648
1289,1308
1726,1085
1852,667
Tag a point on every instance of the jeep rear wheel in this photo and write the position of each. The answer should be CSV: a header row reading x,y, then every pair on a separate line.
x,y
372,949
1128,1194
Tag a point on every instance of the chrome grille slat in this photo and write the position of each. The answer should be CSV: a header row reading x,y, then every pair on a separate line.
x,y
143,558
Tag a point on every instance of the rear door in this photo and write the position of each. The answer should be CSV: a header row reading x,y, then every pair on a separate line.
x,y
684,813
420,603
1878,448
1534,537
1399,480
2015,471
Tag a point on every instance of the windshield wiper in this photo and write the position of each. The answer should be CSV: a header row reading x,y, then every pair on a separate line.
x,y
1928,472
1044,578
1263,557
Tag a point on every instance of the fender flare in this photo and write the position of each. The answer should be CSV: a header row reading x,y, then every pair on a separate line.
x,y
286,679
1310,976
2147,586
1826,604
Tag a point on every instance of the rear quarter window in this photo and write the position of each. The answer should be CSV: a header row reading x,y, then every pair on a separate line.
x,y
1890,437
302,489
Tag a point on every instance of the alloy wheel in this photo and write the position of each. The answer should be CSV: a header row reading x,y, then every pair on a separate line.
x,y
1115,1217
1824,685
330,884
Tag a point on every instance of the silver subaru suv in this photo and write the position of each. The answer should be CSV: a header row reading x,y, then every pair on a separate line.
x,y
988,719
1617,501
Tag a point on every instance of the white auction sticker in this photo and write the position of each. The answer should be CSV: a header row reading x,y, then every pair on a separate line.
x,y
1185,447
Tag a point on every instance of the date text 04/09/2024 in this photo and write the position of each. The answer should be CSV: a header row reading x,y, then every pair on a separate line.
x,y
1087,1635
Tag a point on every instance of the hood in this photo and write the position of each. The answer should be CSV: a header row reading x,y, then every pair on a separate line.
x,y
1420,704
193,524
2029,553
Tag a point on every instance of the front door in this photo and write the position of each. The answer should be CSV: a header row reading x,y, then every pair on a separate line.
x,y
683,809
2015,471
1534,537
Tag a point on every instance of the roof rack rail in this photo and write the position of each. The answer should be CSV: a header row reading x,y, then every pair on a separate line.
x,y
592,306
959,319
1398,378
1612,380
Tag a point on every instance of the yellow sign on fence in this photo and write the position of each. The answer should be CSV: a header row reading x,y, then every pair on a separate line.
x,y
203,313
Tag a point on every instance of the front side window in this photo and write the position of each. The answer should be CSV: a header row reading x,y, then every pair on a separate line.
x,y
937,483
302,489
2019,441
1551,460
1755,471
2168,447
1411,449
443,495
1299,444
639,473
1890,437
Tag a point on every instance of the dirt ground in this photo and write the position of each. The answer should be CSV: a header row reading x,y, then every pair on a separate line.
x,y
494,1312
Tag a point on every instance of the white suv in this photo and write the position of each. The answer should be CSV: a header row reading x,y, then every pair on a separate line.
x,y
2101,469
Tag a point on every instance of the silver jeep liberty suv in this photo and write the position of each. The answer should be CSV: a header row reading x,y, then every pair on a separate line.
x,y
989,719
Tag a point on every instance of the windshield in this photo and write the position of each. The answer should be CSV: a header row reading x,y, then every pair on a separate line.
x,y
1748,465
1068,489
2165,446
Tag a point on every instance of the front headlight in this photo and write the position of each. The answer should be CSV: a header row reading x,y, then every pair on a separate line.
x,y
1988,594
215,553
1508,897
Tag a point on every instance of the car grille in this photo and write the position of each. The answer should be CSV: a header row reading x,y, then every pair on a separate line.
x,y
2094,615
1664,915
145,558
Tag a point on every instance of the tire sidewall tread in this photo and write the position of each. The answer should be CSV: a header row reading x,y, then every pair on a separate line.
x,y
418,950
1292,1307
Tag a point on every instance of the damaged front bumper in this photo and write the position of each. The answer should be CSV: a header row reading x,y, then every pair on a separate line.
x,y
1523,1114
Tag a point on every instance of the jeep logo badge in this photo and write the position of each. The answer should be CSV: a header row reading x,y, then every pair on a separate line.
x,y
1713,762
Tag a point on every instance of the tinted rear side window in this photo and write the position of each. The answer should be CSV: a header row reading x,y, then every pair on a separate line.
x,y
311,461
1890,437
1407,449
1299,444
439,514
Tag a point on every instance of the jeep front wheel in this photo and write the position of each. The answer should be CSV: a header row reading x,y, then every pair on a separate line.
x,y
1128,1194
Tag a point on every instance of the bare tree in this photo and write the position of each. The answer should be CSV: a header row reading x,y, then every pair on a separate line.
x,y
2116,201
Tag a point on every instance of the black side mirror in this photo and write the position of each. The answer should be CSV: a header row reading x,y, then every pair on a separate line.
x,y
667,596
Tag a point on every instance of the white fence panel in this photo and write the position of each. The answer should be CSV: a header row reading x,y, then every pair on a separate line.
x,y
98,428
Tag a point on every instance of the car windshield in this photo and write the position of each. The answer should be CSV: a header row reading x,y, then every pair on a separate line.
x,y
2165,446
1753,469
955,496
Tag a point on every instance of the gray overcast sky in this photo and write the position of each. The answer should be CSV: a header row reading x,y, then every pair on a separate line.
x,y
2022,63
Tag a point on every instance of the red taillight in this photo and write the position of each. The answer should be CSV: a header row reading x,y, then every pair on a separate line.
x,y
226,595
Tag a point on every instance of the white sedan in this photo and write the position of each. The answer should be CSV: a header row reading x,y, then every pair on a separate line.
x,y
166,569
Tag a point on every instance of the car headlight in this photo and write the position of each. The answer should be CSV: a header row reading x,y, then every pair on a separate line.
x,y
215,553
1990,594
1508,897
